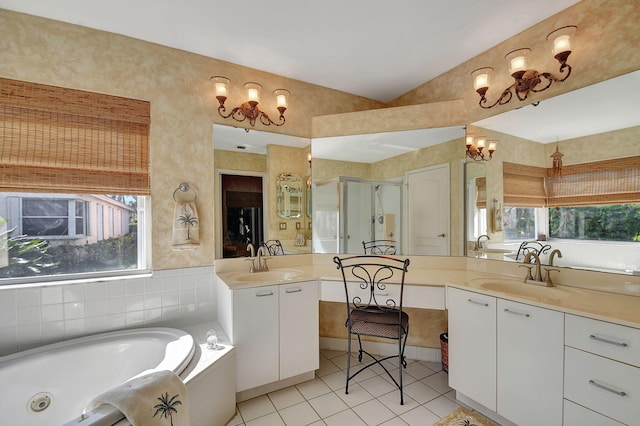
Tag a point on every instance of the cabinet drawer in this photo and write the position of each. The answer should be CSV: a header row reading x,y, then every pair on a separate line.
x,y
603,338
606,386
577,415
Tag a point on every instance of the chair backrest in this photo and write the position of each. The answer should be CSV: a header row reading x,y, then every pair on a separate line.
x,y
366,277
532,247
274,247
381,247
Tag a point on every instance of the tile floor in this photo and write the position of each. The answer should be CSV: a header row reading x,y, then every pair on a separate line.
x,y
372,399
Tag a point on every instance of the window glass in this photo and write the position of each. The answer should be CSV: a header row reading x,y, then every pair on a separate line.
x,y
54,235
619,222
519,223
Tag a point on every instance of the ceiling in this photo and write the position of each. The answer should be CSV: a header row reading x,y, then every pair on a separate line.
x,y
378,49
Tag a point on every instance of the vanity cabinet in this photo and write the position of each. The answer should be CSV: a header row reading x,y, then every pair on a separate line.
x,y
507,356
472,345
602,372
274,329
530,362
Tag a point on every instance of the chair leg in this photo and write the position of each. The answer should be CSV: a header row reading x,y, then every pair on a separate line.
x,y
401,363
346,389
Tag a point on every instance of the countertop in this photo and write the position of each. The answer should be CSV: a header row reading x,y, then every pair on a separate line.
x,y
623,309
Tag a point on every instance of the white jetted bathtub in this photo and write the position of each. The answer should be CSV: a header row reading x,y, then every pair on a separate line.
x,y
52,384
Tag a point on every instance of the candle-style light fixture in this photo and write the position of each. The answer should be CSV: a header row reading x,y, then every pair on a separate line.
x,y
249,110
478,146
527,80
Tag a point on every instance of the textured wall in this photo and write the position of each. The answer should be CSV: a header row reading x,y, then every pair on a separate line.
x,y
183,107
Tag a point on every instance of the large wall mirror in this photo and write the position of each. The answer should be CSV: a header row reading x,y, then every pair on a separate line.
x,y
378,186
259,193
597,228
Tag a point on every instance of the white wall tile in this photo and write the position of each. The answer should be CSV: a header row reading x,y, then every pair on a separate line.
x,y
73,328
115,289
8,300
116,305
30,315
95,308
9,317
28,297
152,301
73,311
52,312
96,291
51,295
134,303
73,293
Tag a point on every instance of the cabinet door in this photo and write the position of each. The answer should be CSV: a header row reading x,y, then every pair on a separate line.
x,y
299,328
530,364
472,345
255,329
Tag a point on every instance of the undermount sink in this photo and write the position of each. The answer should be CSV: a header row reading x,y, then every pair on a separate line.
x,y
274,276
519,288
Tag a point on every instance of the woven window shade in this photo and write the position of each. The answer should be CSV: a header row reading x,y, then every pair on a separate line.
x,y
481,193
596,183
524,186
54,139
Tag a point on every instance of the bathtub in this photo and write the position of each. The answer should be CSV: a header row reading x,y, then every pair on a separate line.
x,y
52,384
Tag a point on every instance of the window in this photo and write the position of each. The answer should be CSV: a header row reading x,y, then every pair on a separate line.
x,y
63,152
42,217
58,234
618,222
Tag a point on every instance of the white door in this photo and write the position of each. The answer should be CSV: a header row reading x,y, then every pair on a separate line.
x,y
428,206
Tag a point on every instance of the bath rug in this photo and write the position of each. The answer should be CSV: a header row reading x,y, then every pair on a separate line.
x,y
464,417
158,398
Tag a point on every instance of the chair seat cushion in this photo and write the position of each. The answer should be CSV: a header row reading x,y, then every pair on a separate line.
x,y
379,323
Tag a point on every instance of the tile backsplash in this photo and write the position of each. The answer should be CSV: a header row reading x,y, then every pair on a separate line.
x,y
35,316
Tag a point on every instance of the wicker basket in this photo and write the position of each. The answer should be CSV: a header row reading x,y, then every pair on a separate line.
x,y
444,348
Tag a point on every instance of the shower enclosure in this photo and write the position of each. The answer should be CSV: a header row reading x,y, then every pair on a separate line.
x,y
348,211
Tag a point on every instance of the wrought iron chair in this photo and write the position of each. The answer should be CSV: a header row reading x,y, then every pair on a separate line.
x,y
381,247
273,247
371,311
532,247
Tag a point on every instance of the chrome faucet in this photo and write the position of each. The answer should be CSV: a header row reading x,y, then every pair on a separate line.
x,y
478,245
252,249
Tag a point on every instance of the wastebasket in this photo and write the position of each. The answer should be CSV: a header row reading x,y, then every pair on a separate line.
x,y
444,349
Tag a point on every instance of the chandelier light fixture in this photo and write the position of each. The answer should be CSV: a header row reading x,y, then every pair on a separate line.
x,y
476,147
527,80
249,110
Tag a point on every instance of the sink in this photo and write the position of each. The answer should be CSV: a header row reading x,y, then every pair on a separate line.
x,y
271,276
518,288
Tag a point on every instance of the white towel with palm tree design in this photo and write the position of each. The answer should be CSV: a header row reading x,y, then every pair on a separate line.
x,y
186,225
156,399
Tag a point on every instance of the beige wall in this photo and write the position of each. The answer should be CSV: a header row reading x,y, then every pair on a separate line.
x,y
183,107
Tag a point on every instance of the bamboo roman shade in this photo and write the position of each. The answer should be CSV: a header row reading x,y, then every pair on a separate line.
x,y
524,186
54,139
481,193
601,182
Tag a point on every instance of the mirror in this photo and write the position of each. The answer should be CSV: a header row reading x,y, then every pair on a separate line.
x,y
369,187
289,193
598,122
260,158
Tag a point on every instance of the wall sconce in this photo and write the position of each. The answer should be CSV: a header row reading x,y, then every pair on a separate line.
x,y
476,147
527,80
249,110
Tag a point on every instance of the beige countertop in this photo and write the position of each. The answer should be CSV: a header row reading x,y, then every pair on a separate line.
x,y
587,300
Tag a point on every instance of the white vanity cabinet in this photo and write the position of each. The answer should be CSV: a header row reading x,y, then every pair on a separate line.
x,y
507,356
602,372
530,363
274,329
472,345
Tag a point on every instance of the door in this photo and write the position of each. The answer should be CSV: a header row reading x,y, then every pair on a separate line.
x,y
428,206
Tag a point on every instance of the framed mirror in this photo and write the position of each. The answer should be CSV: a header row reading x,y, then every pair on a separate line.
x,y
290,194
596,130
